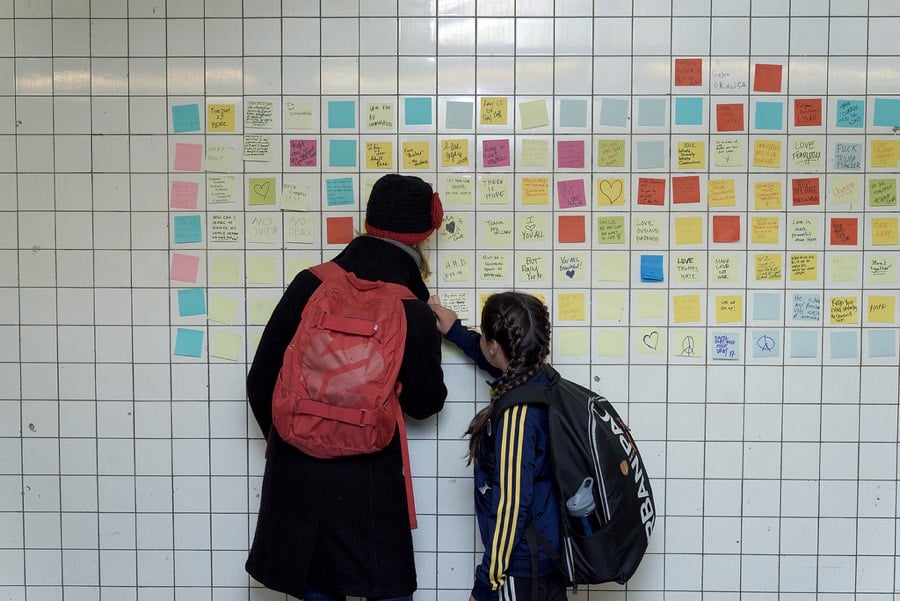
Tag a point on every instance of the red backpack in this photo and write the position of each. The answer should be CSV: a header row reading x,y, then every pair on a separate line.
x,y
337,390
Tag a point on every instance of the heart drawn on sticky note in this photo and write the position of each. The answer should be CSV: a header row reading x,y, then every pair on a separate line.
x,y
651,340
570,273
262,190
611,190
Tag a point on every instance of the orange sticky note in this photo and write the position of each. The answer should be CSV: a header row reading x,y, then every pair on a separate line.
x,y
686,189
730,117
767,78
805,191
844,231
688,71
338,230
571,228
726,228
808,112
651,191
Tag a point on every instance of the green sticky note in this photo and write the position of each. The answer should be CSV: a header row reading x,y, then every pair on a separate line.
x,y
883,192
261,191
611,230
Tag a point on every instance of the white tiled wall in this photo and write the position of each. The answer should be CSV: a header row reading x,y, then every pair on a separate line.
x,y
129,465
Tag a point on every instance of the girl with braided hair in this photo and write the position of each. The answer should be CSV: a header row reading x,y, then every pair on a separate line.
x,y
509,450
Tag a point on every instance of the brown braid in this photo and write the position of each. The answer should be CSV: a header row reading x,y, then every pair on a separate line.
x,y
520,324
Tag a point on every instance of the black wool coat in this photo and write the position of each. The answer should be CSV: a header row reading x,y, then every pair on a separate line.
x,y
341,525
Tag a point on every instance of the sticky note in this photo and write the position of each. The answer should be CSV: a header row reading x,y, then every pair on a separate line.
x,y
766,306
804,267
726,346
339,191
570,306
651,268
650,154
220,158
531,268
882,269
881,308
185,118
497,232
688,71
571,193
767,78
651,112
455,153
844,268
533,113
844,231
495,153
887,112
767,267
883,192
571,228
687,343
417,111
611,192
765,343
767,153
805,191
223,309
721,192
850,113
416,154
341,153
341,114
258,114
806,153
571,266
807,112
183,195
611,153
303,153
729,308
532,228
613,267
494,189
650,341
609,305
767,196
380,115
804,229
256,147
570,154
689,110
261,191
806,307
764,229
184,268
535,190
726,228
493,110
728,152
188,343
535,153
844,345
298,115
882,343
338,230
687,268
187,229
691,155
572,112
884,154
647,231
188,157
884,231
191,301
573,342
847,156
723,268
845,190
613,112
226,345
459,115
730,117
768,115
688,230
844,310
686,308
804,344
220,118
493,266
651,191
685,189
611,230
380,155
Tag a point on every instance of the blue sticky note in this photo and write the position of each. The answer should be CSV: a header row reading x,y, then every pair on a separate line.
x,y
341,114
614,112
417,111
188,343
187,229
572,113
651,268
807,307
651,112
726,345
339,191
766,306
804,344
768,115
844,345
191,301
689,110
342,153
887,112
850,113
650,154
848,156
460,115
766,343
882,343
185,117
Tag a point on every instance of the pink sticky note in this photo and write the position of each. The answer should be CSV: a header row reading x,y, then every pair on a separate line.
x,y
183,195
570,154
571,193
188,157
184,267
496,153
303,153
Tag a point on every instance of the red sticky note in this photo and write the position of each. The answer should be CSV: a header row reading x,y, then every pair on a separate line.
x,y
730,117
767,78
338,230
570,154
805,191
844,231
726,228
571,228
188,157
688,71
651,191
685,188
807,112
303,153
183,195
495,153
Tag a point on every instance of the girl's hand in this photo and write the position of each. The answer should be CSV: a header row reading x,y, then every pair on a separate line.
x,y
445,317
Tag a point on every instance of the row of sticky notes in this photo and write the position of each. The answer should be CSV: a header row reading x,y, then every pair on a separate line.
x,y
224,345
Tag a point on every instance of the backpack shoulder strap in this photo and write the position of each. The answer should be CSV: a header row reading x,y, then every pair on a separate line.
x,y
532,394
328,270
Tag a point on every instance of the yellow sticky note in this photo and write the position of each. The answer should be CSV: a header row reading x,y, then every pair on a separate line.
x,y
455,153
764,229
686,308
723,269
454,228
222,309
219,158
729,308
573,342
612,267
646,231
494,189
804,267
458,190
844,310
531,267
220,117
264,228
459,303
497,231
380,115
294,265
493,266
845,191
884,153
300,228
611,192
767,196
688,343
570,306
688,268
256,147
688,230
767,267
493,110
535,190
611,153
610,342
650,304
261,270
805,229
721,193
226,345
298,115
535,153
261,310
845,268
882,308
295,197
767,153
380,155
534,113
571,267
456,268
219,189
884,231
611,230
261,191
225,271
416,155
728,152
609,305
691,155
882,269
532,228
650,341
807,153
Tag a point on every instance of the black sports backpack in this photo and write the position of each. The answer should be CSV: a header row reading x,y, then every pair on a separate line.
x,y
599,475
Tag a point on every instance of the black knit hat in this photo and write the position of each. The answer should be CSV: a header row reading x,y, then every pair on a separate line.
x,y
403,208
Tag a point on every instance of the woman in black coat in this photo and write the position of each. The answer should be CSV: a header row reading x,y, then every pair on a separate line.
x,y
329,528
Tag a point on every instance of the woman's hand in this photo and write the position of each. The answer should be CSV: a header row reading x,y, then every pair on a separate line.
x,y
445,317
